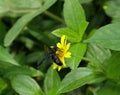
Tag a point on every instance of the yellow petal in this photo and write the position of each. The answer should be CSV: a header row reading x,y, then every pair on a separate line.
x,y
67,54
55,66
63,61
67,46
64,64
63,40
59,68
59,45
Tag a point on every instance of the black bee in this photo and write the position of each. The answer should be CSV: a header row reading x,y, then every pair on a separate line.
x,y
53,56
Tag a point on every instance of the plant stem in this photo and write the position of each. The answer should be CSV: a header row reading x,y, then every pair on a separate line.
x,y
86,59
54,16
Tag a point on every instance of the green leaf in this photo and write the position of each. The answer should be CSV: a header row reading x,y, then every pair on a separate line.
x,y
52,80
84,1
6,57
3,85
97,53
96,56
18,7
2,31
54,92
108,36
34,57
42,37
22,4
75,17
112,9
3,7
20,24
25,85
72,36
112,67
109,88
76,78
26,70
77,53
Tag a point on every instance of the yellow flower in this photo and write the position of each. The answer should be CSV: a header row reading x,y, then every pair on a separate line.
x,y
62,52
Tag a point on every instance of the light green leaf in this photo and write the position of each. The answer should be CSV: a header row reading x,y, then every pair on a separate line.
x,y
76,78
25,85
18,7
23,4
54,92
74,16
3,7
52,80
77,53
20,24
84,1
6,57
109,88
112,67
72,36
108,36
3,85
112,9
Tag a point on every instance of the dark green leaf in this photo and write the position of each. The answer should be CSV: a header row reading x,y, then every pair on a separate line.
x,y
108,36
109,88
113,66
41,36
34,57
2,32
25,85
52,80
20,24
3,85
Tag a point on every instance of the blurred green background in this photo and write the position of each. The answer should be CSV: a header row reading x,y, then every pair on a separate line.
x,y
28,46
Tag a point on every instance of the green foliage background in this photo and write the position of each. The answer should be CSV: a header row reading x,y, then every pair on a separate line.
x,y
91,26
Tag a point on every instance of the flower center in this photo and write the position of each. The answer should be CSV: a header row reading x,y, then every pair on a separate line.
x,y
60,52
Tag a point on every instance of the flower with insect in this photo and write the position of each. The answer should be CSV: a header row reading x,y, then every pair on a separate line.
x,y
61,53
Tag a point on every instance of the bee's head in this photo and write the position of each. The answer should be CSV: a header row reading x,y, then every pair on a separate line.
x,y
52,47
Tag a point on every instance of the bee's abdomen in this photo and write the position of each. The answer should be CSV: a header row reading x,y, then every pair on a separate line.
x,y
55,59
